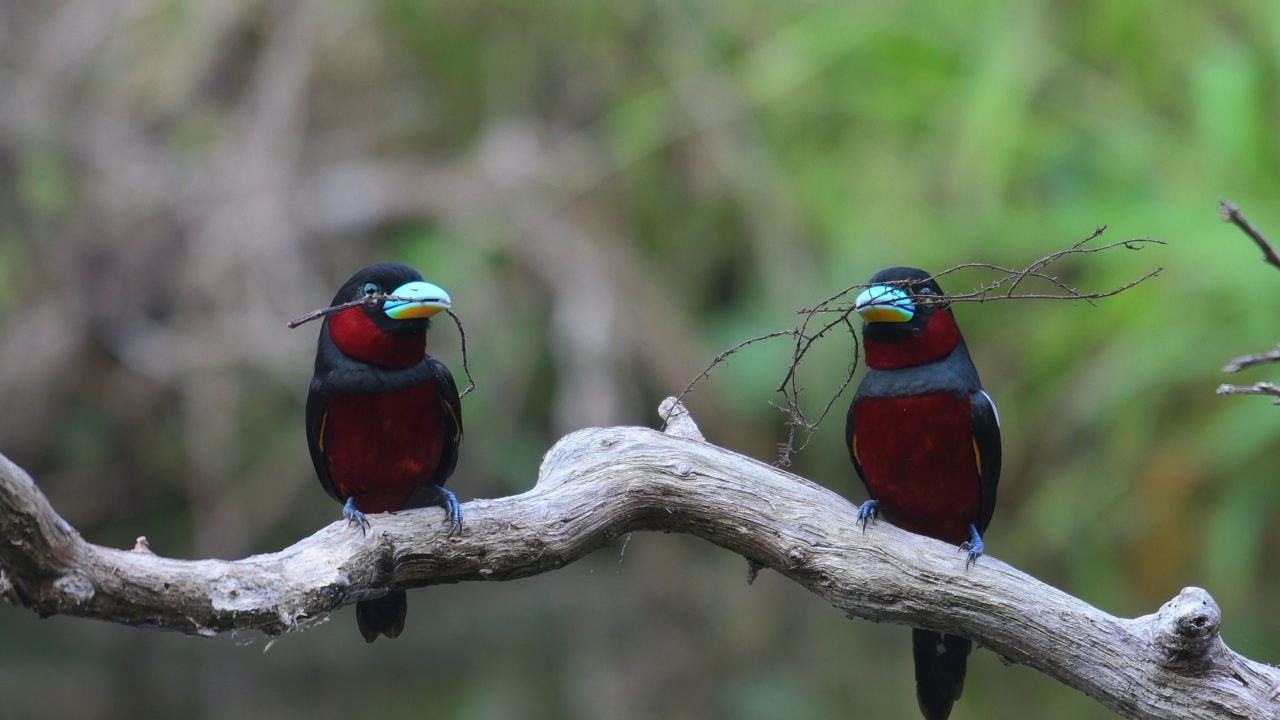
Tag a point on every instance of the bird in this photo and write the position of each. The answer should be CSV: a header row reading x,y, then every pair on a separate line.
x,y
924,437
383,417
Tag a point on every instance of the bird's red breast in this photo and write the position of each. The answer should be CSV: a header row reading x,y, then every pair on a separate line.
x,y
380,447
919,460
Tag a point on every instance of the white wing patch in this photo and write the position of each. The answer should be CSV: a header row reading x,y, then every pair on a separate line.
x,y
992,403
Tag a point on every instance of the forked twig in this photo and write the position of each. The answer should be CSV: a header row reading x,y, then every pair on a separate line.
x,y
376,299
1004,287
1230,213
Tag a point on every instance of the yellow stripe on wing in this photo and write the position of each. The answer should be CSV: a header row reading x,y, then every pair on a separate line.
x,y
457,424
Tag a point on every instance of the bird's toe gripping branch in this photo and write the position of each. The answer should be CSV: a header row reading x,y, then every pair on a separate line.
x,y
452,509
437,496
974,546
354,516
867,512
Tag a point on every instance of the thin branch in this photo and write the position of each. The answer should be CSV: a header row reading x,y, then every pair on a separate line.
x,y
466,367
1258,388
796,419
1246,361
599,484
1006,286
1228,211
706,372
376,300
364,300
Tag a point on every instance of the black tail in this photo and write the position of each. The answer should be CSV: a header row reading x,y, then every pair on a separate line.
x,y
940,665
385,616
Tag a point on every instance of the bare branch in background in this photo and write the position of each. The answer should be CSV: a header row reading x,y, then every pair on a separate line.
x,y
1228,211
1245,361
599,484
1258,388
1004,287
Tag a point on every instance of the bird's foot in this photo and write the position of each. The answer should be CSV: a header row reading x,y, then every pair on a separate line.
x,y
974,546
354,516
452,510
867,513
431,495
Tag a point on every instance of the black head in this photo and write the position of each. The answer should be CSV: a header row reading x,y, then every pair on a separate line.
x,y
899,301
397,318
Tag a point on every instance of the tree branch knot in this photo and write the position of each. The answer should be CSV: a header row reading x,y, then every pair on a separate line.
x,y
1186,631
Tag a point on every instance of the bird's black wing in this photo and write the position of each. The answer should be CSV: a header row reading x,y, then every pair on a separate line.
x,y
985,421
451,411
317,416
851,444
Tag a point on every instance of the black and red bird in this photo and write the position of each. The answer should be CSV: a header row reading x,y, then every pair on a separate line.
x,y
384,420
925,440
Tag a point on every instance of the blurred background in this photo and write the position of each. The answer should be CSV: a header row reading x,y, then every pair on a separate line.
x,y
613,193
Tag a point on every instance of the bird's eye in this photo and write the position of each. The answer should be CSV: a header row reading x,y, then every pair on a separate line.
x,y
370,289
924,291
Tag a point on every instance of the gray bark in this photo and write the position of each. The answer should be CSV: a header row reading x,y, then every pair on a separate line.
x,y
598,484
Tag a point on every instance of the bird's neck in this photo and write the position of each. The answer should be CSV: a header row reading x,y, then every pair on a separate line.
x,y
359,337
939,336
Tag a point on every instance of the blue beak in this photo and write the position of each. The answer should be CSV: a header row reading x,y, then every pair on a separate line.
x,y
427,300
883,303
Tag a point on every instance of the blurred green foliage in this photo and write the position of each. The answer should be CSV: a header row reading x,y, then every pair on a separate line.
x,y
614,193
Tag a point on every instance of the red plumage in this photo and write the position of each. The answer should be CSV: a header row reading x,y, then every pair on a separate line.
x,y
381,447
924,438
918,459
359,337
384,418
935,340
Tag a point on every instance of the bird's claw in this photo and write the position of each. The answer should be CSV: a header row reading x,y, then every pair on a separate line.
x,y
974,546
354,516
452,510
867,513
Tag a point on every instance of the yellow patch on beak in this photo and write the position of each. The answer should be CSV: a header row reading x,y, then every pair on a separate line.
x,y
884,313
413,311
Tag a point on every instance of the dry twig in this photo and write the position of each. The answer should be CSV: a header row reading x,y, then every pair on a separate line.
x,y
1258,388
1006,286
1245,361
1228,211
377,299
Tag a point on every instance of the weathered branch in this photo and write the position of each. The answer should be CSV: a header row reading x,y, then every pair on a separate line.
x,y
598,484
